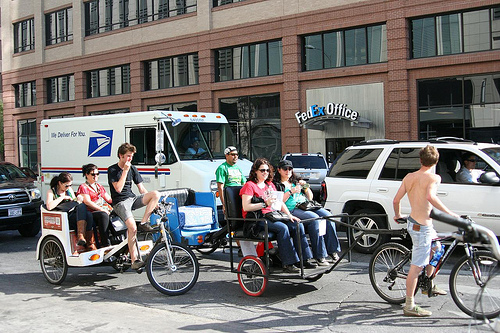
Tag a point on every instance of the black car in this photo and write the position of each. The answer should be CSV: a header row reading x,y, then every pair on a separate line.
x,y
20,201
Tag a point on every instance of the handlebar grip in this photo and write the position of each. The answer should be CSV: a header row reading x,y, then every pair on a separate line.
x,y
454,221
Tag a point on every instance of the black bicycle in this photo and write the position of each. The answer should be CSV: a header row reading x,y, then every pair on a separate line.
x,y
472,282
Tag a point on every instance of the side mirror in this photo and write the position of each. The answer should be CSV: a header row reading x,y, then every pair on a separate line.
x,y
160,158
489,177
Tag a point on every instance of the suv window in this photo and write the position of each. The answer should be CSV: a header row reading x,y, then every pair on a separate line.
x,y
401,161
354,163
10,172
307,162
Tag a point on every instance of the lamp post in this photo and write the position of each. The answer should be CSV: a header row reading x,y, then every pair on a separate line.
x,y
312,47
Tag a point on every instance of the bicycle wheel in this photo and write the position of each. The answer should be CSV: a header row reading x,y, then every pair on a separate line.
x,y
476,301
175,279
388,269
53,260
252,285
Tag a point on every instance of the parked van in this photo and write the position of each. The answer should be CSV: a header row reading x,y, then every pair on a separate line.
x,y
164,140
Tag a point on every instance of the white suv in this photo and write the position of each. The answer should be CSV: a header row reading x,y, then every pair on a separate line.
x,y
365,177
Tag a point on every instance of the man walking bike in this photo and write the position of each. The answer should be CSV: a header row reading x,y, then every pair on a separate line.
x,y
421,187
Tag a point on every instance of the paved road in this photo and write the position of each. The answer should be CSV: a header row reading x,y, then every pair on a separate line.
x,y
101,300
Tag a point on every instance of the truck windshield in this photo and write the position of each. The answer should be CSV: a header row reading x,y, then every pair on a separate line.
x,y
201,141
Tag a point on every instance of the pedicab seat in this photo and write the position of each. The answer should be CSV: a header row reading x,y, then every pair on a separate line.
x,y
234,216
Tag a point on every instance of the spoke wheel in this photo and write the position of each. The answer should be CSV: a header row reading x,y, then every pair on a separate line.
x,y
252,284
53,260
389,282
476,301
175,279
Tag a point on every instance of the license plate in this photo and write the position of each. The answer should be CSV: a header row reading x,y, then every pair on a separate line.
x,y
15,212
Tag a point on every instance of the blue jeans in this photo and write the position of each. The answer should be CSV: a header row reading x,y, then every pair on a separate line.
x,y
286,247
321,245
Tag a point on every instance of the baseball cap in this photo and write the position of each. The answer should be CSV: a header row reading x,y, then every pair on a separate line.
x,y
229,149
285,163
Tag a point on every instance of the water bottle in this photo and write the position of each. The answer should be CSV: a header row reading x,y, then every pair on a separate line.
x,y
438,253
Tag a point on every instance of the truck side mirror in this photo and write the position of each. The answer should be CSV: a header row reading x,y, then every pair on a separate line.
x,y
489,177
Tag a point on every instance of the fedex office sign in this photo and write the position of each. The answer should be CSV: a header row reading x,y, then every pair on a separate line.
x,y
331,110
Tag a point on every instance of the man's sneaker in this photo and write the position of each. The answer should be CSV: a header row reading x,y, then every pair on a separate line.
x,y
417,311
146,227
290,269
309,265
322,262
138,264
436,291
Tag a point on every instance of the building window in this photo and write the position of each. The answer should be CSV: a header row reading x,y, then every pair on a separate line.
x,y
247,61
103,112
350,47
59,26
217,3
24,35
61,89
171,72
106,15
464,107
445,34
186,106
25,94
108,81
28,156
256,122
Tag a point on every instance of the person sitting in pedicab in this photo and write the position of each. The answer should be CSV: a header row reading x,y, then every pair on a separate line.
x,y
62,197
97,200
260,186
323,241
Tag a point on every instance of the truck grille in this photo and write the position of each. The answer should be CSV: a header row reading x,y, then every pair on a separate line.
x,y
9,198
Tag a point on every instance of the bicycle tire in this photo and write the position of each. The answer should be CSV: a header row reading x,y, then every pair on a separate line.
x,y
471,298
207,250
386,281
53,260
252,285
170,280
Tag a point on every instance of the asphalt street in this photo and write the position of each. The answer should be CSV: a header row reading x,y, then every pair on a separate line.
x,y
99,299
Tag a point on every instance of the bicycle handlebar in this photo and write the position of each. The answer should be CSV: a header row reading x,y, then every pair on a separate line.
x,y
472,230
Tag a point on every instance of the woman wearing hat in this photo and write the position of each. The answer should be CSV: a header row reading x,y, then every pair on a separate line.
x,y
297,191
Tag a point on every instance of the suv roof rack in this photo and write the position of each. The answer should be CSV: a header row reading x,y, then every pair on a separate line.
x,y
451,139
375,141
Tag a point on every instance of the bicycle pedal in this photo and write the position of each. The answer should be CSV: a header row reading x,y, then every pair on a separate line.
x,y
140,270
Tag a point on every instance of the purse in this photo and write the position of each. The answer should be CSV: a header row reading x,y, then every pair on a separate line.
x,y
66,206
309,205
277,216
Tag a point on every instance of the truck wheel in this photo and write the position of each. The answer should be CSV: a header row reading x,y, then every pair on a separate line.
x,y
30,230
368,243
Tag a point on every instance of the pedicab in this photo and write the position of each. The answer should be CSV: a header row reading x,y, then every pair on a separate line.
x,y
172,268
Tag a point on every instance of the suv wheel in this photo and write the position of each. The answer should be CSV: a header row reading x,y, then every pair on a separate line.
x,y
368,243
30,230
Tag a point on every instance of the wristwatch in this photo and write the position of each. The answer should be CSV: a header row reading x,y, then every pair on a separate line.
x,y
264,205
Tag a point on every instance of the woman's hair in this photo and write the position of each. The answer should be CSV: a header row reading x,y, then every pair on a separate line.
x,y
294,179
88,168
63,177
256,166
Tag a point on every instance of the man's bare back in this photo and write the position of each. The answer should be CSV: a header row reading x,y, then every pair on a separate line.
x,y
418,184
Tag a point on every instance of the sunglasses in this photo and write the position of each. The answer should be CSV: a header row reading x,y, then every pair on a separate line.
x,y
472,160
94,174
264,170
287,168
233,154
67,185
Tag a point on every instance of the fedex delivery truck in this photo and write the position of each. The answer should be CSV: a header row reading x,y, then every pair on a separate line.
x,y
174,149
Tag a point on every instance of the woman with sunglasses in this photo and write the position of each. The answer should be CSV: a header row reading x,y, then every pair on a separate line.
x,y
260,185
79,218
97,200
297,192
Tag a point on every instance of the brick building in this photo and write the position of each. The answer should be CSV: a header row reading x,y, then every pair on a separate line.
x,y
290,75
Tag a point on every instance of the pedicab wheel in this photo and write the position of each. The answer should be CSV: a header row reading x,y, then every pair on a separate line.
x,y
252,276
53,260
314,278
177,278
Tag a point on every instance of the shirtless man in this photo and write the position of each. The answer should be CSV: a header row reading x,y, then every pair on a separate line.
x,y
421,187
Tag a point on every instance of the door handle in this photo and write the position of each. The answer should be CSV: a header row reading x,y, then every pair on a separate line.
x,y
442,193
382,190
